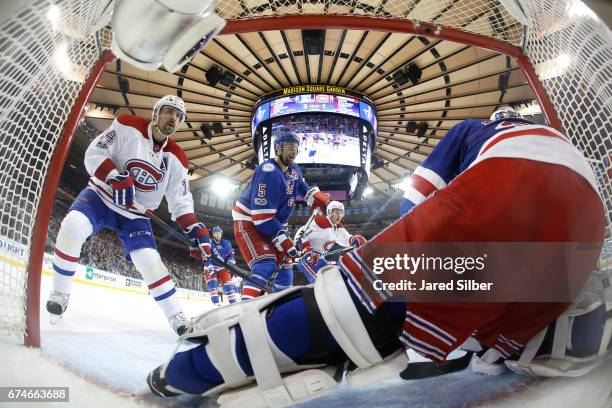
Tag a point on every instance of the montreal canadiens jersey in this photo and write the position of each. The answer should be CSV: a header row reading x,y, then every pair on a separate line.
x,y
472,141
223,250
269,197
127,145
322,235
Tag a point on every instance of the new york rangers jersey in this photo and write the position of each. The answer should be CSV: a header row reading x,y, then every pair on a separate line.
x,y
269,198
127,145
472,141
223,250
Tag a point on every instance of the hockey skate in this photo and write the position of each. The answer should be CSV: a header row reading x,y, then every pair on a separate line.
x,y
158,385
56,305
179,323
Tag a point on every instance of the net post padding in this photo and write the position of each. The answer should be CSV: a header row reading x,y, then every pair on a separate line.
x,y
297,22
43,214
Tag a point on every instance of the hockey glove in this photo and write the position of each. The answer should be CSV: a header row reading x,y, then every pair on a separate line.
x,y
357,241
308,255
123,189
284,244
199,235
317,199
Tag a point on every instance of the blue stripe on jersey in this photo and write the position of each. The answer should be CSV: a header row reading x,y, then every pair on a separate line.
x,y
62,271
165,295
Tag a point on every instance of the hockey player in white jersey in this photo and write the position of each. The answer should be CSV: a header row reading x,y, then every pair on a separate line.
x,y
325,233
133,161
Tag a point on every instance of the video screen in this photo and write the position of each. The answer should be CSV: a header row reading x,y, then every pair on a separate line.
x,y
309,103
314,103
324,138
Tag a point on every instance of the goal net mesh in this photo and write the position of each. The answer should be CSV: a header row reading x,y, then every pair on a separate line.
x,y
49,48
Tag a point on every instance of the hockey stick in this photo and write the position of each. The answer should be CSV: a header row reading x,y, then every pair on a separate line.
x,y
297,237
188,242
339,251
426,369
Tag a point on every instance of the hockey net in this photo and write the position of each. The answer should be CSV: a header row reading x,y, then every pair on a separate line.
x,y
49,52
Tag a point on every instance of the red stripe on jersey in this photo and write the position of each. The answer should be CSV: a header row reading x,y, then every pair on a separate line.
x,y
351,267
239,210
523,132
250,292
103,169
186,220
160,282
264,216
422,185
65,257
173,148
136,122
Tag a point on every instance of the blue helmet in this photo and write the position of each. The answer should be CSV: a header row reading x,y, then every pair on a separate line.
x,y
216,229
505,112
286,138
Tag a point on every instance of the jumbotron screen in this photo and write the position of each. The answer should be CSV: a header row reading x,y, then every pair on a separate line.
x,y
337,127
324,138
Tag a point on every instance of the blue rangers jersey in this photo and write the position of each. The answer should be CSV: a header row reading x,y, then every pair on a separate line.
x,y
223,250
269,198
472,141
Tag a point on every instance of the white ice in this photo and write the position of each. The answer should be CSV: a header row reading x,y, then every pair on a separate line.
x,y
108,341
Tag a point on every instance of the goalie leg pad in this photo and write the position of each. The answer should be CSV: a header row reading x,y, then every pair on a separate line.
x,y
282,342
578,341
261,347
357,333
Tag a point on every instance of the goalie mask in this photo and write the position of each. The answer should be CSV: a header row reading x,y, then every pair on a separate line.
x,y
505,112
149,33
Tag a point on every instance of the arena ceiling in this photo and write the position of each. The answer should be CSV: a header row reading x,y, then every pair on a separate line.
x,y
457,82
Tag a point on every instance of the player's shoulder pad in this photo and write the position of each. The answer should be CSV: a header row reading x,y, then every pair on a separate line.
x,y
267,167
173,148
323,222
136,122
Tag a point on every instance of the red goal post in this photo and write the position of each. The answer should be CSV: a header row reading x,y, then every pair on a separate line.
x,y
42,104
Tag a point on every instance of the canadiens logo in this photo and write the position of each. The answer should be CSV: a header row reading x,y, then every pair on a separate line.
x,y
328,246
146,176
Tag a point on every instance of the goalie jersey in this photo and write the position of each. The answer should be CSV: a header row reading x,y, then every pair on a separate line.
x,y
127,145
472,141
269,198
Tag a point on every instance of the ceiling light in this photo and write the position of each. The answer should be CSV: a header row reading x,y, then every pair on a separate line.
x,y
223,187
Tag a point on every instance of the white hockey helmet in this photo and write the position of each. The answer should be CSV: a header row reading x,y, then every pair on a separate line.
x,y
169,100
334,205
505,112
